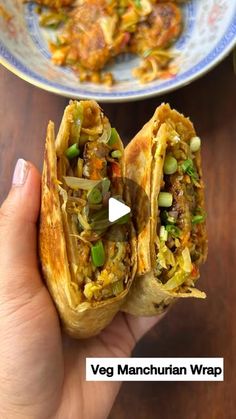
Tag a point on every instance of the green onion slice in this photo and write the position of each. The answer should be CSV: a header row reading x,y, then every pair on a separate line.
x,y
116,154
170,165
174,231
113,137
100,225
52,19
98,254
123,220
197,219
166,218
72,151
165,199
195,144
188,167
147,52
94,196
138,4
106,183
100,215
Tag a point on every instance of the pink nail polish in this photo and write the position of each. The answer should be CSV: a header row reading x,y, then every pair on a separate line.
x,y
20,172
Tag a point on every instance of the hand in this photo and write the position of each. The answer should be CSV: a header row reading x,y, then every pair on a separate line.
x,y
42,372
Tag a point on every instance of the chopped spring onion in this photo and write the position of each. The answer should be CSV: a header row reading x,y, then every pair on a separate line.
x,y
174,231
195,144
147,52
98,254
95,206
116,154
138,4
106,183
94,196
123,220
100,215
72,151
52,20
163,234
167,218
100,225
165,199
170,165
113,137
188,167
197,219
187,164
80,183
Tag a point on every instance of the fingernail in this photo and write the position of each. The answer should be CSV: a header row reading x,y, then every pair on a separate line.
x,y
20,172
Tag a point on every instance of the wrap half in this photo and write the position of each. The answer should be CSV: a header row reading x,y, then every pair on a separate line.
x,y
164,159
88,273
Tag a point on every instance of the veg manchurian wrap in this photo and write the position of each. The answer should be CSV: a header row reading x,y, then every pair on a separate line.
x,y
164,159
88,274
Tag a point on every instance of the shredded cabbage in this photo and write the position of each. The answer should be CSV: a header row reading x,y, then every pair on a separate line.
x,y
83,222
80,183
177,280
91,289
64,196
179,267
165,257
106,133
185,262
108,25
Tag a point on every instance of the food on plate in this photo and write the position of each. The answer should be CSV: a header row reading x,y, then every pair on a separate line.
x,y
91,33
56,4
164,158
87,272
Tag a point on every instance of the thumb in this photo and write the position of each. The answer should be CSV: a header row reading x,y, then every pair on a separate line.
x,y
18,217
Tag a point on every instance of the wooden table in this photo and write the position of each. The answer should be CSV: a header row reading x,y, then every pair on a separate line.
x,y
191,328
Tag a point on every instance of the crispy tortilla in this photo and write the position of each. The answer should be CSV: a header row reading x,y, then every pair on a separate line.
x,y
81,319
148,295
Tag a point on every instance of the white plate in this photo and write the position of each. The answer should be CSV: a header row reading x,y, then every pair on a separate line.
x,y
209,35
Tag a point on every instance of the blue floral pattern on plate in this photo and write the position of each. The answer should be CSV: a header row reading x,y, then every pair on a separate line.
x,y
208,36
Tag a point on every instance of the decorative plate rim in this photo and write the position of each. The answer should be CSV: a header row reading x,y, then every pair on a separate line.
x,y
215,56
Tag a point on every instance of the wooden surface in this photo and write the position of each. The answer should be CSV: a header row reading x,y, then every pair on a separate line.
x,y
192,328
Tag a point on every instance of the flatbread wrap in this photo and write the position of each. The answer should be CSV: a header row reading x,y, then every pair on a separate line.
x,y
164,159
88,273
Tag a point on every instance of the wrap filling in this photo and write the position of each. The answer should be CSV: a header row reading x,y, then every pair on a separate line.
x,y
89,173
180,231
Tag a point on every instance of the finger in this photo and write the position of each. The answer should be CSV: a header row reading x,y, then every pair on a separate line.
x,y
139,326
18,217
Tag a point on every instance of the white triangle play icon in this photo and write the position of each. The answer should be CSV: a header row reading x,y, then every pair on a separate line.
x,y
116,210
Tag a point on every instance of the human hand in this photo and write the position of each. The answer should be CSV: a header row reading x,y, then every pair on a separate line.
x,y
42,371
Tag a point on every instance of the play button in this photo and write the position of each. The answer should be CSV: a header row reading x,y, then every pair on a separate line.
x,y
117,210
